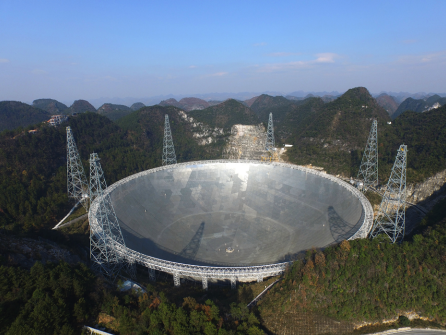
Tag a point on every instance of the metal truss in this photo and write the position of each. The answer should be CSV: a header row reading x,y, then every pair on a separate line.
x,y
105,232
206,273
368,171
270,134
391,218
76,180
169,156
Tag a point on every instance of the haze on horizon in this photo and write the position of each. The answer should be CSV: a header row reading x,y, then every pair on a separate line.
x,y
87,50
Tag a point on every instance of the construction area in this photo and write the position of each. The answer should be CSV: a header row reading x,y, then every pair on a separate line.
x,y
248,143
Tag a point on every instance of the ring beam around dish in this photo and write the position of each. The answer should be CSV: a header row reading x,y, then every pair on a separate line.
x,y
181,219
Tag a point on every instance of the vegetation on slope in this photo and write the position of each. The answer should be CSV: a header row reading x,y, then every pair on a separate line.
x,y
418,105
279,106
80,106
388,102
50,299
60,299
136,106
113,111
369,280
334,135
14,114
33,167
425,137
51,106
145,130
225,115
326,136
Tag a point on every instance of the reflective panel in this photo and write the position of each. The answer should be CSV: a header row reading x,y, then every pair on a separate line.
x,y
233,214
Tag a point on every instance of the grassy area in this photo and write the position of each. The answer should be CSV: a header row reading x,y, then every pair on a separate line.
x,y
373,197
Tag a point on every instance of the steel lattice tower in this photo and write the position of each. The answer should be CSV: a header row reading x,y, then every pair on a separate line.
x,y
168,149
270,134
391,218
368,170
103,241
76,180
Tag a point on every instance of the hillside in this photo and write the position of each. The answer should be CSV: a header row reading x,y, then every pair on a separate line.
x,y
425,137
186,104
170,102
145,129
249,102
114,112
225,115
33,168
136,106
189,104
279,106
327,136
363,281
15,114
52,106
418,105
387,102
80,106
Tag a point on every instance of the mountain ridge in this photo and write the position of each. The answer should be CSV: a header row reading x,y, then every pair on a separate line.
x,y
51,106
14,114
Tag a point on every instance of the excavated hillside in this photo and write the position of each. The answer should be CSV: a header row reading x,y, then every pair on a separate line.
x,y
246,142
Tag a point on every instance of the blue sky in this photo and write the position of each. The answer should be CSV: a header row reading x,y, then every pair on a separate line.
x,y
90,49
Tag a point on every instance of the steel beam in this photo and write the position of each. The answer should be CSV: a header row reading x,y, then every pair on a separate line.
x,y
391,218
169,156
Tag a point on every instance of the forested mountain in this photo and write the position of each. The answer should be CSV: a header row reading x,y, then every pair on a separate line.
x,y
186,104
325,134
170,102
15,114
249,102
145,130
52,106
33,167
136,106
225,115
334,135
114,112
418,105
279,106
80,106
387,102
365,280
425,137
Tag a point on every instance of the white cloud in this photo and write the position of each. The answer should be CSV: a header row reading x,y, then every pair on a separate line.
x,y
38,71
283,54
436,57
4,60
192,67
327,57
